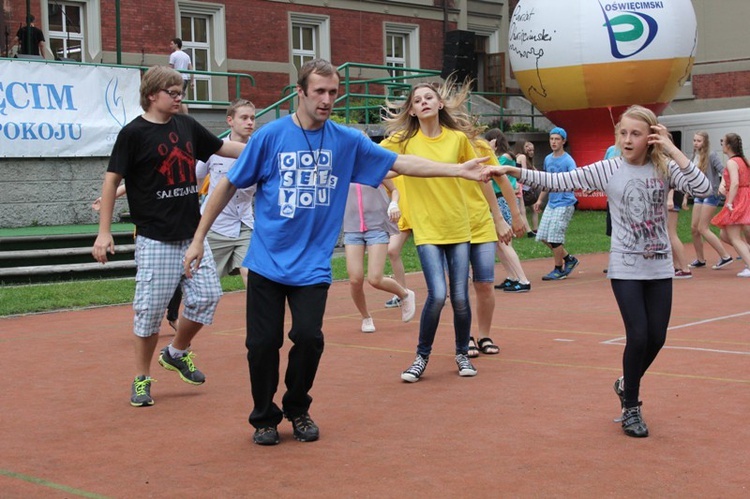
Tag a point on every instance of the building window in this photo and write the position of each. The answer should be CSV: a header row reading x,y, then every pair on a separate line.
x,y
65,25
304,44
309,38
72,29
395,52
196,42
401,47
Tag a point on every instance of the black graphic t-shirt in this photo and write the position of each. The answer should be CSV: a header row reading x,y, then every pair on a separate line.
x,y
158,164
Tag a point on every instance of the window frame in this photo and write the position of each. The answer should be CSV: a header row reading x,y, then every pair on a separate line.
x,y
91,35
321,36
411,46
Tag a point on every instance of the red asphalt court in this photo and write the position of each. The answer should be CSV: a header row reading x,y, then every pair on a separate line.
x,y
535,422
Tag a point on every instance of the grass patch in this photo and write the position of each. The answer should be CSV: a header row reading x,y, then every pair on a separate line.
x,y
585,235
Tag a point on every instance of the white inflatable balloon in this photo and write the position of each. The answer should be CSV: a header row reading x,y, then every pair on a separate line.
x,y
583,62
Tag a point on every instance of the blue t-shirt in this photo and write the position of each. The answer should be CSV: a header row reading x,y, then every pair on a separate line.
x,y
300,201
563,163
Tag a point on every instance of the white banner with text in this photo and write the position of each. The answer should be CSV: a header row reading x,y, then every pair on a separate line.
x,y
64,110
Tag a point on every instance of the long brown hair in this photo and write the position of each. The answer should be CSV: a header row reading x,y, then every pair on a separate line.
x,y
402,126
501,142
734,142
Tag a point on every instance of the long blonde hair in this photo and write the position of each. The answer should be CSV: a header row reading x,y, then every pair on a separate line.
x,y
654,151
402,126
702,154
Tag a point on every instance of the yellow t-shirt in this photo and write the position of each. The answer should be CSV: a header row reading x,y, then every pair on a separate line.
x,y
480,216
436,208
403,221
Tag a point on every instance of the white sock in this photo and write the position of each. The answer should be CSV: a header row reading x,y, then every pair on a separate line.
x,y
175,353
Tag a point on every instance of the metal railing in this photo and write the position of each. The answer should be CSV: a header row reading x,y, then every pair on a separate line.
x,y
363,97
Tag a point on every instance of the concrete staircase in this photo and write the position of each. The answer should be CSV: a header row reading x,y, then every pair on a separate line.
x,y
60,257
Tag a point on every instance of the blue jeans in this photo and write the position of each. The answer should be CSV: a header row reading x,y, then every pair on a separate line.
x,y
483,262
431,257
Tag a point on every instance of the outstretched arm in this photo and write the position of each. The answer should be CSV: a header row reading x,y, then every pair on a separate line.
x,y
216,203
417,166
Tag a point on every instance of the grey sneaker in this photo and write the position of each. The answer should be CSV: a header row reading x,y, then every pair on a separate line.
x,y
465,367
305,430
414,372
632,422
268,435
140,394
183,366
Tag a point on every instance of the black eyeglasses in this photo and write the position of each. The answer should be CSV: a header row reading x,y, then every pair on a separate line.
x,y
173,93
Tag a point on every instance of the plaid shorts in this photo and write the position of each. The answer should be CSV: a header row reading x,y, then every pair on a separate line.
x,y
159,273
554,224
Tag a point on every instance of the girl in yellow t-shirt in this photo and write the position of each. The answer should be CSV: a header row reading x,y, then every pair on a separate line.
x,y
431,123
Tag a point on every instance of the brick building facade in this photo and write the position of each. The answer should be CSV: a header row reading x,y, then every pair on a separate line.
x,y
264,38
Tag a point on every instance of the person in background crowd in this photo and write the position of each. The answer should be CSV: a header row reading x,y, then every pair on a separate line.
x,y
735,215
704,208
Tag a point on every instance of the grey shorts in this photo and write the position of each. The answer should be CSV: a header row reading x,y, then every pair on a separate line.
x,y
554,224
229,252
159,273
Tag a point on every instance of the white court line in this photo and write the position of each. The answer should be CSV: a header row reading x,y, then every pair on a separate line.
x,y
620,340
715,319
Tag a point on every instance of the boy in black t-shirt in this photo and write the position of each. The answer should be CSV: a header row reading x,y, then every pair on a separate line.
x,y
156,153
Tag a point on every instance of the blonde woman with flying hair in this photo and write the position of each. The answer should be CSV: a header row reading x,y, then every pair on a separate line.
x,y
450,232
640,262
704,208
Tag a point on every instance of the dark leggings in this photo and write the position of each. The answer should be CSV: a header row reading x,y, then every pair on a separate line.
x,y
645,307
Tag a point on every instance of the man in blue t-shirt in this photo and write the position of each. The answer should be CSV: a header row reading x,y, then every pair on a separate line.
x,y
302,165
559,210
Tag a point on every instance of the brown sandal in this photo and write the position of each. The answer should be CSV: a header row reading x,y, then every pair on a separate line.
x,y
473,350
487,347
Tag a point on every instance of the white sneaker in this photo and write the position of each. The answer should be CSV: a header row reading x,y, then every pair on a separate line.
x,y
745,273
408,306
368,326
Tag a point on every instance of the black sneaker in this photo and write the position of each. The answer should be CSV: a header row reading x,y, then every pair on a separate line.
x,y
632,422
518,288
465,367
723,262
697,264
415,370
268,435
507,283
305,430
570,264
183,366
140,394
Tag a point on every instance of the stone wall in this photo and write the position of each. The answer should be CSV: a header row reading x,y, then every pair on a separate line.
x,y
51,191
